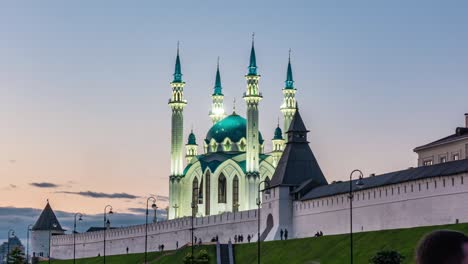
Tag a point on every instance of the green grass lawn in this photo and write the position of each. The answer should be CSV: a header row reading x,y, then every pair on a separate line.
x,y
324,250
168,257
335,249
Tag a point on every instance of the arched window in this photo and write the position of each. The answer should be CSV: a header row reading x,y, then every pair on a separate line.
x,y
195,194
267,184
235,194
200,192
221,189
207,193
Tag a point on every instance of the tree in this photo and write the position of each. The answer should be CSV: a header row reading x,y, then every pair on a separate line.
x,y
16,256
387,257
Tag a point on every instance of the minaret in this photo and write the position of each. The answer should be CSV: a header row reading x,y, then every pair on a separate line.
x,y
191,147
177,104
217,108
278,145
252,98
288,108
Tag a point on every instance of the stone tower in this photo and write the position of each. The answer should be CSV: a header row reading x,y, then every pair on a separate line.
x,y
177,104
217,107
288,108
252,98
46,225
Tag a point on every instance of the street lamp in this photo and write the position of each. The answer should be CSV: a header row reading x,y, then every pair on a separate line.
x,y
266,183
11,233
154,206
74,234
27,243
193,205
54,225
106,222
359,184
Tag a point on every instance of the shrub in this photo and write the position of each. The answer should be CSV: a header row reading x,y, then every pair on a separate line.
x,y
387,257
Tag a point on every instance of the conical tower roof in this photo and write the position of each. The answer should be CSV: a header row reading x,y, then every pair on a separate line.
x,y
47,220
178,68
218,89
298,165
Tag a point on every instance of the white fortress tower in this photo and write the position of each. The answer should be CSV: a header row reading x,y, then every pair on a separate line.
x,y
217,107
177,104
252,98
46,226
288,108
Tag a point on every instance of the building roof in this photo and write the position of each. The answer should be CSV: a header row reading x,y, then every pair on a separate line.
x,y
214,159
412,174
218,89
298,164
278,133
289,83
178,68
253,61
192,140
46,220
460,133
233,127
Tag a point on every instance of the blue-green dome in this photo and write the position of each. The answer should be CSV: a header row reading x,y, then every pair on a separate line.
x,y
233,127
191,139
278,133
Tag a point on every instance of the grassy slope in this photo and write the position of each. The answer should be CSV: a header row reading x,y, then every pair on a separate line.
x,y
324,250
335,249
169,257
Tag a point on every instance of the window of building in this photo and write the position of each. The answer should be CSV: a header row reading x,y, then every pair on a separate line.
x,y
456,156
427,185
235,194
453,182
443,182
412,188
461,179
200,192
427,162
195,194
419,187
207,192
221,189
443,159
435,184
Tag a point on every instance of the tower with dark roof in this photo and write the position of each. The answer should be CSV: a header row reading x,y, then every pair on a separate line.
x,y
278,145
46,225
191,147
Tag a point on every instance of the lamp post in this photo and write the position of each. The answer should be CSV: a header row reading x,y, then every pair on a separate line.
x,y
11,233
54,225
146,223
27,243
258,218
74,234
359,183
106,221
193,205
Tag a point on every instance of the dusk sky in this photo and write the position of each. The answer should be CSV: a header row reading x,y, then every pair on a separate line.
x,y
84,88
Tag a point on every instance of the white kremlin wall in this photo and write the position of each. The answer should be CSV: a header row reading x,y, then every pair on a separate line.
x,y
431,201
90,244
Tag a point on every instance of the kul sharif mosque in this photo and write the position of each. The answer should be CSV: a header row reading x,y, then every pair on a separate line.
x,y
225,177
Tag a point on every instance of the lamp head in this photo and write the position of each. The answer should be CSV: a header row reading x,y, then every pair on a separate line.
x,y
154,206
81,218
13,233
111,212
360,182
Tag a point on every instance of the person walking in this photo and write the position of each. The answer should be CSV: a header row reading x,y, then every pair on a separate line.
x,y
235,238
281,234
248,238
285,234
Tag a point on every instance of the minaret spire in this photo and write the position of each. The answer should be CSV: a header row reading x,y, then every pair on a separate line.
x,y
217,107
253,59
178,68
254,148
177,104
288,108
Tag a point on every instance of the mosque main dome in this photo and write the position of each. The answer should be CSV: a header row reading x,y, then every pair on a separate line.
x,y
233,127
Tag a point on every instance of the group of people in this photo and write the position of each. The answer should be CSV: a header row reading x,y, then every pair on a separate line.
x,y
240,238
284,234
318,234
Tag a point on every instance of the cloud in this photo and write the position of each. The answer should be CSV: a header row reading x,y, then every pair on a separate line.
x,y
160,212
103,195
44,184
9,187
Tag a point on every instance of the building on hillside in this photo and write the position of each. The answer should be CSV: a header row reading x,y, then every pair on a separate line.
x,y
46,226
14,242
450,148
225,176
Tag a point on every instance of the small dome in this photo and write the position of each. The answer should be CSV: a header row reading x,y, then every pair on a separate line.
x,y
191,139
278,133
233,127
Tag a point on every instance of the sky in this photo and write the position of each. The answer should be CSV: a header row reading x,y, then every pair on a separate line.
x,y
84,120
